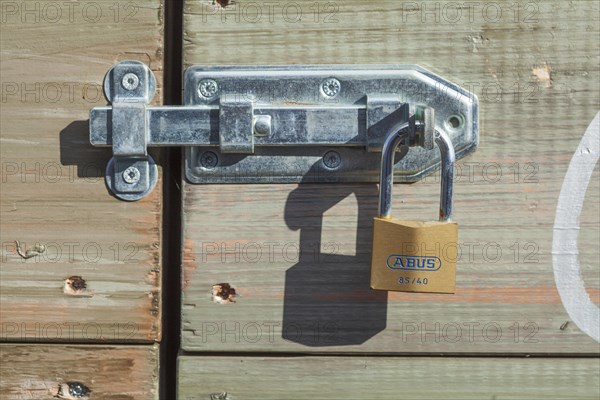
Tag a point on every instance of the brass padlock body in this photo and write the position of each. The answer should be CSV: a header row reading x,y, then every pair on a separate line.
x,y
414,256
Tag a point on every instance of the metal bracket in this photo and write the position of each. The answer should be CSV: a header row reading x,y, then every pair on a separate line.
x,y
280,124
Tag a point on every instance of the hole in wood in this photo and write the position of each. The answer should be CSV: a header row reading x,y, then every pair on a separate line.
x,y
223,293
224,3
75,285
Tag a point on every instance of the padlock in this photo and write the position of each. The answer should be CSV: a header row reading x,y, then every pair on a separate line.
x,y
415,256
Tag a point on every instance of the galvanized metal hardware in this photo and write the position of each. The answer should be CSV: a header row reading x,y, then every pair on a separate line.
x,y
448,156
131,174
280,124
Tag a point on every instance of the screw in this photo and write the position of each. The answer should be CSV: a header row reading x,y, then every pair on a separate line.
x,y
332,159
262,125
219,396
209,160
208,88
130,81
131,175
77,389
331,87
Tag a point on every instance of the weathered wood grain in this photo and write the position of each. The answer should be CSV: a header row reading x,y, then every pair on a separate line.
x,y
535,72
53,59
109,372
387,378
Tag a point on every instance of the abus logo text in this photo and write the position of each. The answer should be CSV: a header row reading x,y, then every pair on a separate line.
x,y
412,263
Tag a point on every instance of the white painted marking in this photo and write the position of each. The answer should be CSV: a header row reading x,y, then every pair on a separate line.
x,y
567,273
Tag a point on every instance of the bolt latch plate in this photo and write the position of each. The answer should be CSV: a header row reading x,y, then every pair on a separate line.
x,y
282,124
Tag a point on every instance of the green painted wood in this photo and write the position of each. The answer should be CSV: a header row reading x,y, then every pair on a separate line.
x,y
390,378
535,71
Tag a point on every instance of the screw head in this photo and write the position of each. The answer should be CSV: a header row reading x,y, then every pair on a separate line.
x,y
331,87
209,159
131,175
332,159
77,389
219,396
130,81
208,88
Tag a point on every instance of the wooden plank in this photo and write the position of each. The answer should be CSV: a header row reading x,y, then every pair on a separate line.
x,y
387,378
108,372
533,69
53,59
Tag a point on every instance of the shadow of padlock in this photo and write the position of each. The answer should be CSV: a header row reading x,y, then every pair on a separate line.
x,y
327,299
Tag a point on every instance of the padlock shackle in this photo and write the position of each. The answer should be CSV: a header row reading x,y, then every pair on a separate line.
x,y
398,133
386,182
448,156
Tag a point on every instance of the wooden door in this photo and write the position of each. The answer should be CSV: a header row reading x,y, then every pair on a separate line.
x,y
81,305
81,295
298,255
